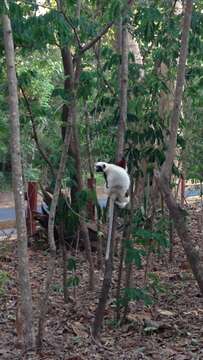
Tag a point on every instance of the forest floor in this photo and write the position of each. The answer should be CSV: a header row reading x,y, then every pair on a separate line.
x,y
170,329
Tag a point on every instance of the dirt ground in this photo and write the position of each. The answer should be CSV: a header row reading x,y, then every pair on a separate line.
x,y
175,318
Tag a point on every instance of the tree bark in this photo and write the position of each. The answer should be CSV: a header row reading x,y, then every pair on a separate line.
x,y
123,71
83,225
24,318
176,212
180,222
64,262
123,90
52,214
170,154
71,82
100,310
68,116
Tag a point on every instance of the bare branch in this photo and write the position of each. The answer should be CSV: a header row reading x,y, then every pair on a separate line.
x,y
97,38
69,22
35,135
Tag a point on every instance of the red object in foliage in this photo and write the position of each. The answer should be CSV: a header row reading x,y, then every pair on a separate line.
x,y
31,207
91,183
121,163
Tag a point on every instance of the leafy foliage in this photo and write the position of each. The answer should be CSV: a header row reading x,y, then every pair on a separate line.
x,y
155,27
135,294
4,279
72,281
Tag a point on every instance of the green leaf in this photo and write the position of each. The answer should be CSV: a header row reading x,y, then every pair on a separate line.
x,y
57,288
115,8
71,264
4,277
134,256
73,281
137,294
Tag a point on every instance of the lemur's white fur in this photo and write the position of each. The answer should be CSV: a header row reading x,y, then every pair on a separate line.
x,y
118,183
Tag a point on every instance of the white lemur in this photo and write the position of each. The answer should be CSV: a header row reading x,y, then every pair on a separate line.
x,y
117,183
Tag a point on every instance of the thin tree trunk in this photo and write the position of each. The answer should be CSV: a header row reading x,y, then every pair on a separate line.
x,y
120,272
99,246
24,318
170,154
65,259
127,286
126,235
99,315
171,237
83,225
75,152
51,262
176,212
78,9
88,143
179,217
70,84
123,91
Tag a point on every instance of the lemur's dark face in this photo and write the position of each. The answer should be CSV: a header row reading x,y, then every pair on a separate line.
x,y
100,167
